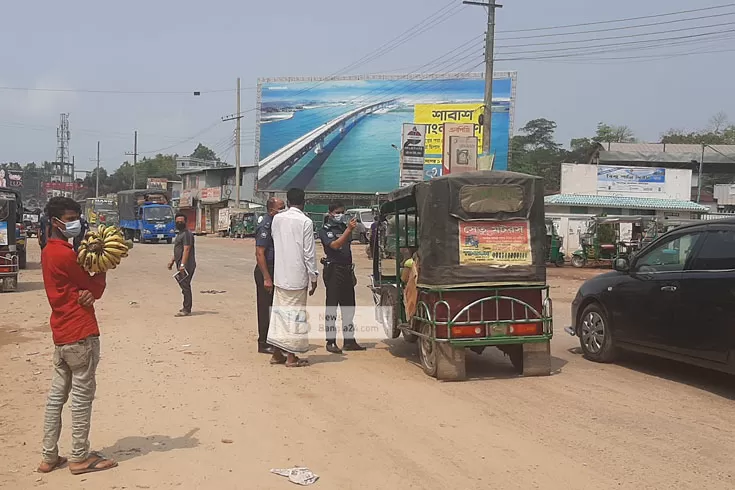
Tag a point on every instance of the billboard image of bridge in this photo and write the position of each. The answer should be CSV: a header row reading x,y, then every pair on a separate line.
x,y
343,135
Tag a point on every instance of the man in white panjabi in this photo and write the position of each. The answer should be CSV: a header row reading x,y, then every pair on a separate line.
x,y
294,271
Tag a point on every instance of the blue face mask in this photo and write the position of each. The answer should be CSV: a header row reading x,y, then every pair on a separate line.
x,y
71,229
338,218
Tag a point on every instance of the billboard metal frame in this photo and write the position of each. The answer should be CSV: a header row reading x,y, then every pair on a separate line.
x,y
513,75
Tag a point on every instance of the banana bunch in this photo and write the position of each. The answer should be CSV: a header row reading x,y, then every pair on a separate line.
x,y
103,249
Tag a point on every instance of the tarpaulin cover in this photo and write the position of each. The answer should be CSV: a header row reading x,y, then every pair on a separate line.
x,y
479,228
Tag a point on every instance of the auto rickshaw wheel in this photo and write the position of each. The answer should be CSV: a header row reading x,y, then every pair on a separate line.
x,y
408,336
578,261
559,261
450,362
427,350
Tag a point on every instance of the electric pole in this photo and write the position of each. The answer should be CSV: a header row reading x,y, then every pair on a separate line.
x,y
97,184
134,154
489,58
236,117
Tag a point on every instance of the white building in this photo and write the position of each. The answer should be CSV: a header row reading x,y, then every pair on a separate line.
x,y
191,163
593,190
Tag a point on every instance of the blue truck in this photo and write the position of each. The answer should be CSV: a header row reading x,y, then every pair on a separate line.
x,y
146,215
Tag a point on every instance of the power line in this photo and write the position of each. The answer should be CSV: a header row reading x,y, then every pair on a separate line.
x,y
120,92
615,21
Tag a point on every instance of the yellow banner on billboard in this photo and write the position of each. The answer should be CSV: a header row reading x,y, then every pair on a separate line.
x,y
435,115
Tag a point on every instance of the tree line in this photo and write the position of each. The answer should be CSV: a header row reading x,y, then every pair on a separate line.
x,y
160,166
535,151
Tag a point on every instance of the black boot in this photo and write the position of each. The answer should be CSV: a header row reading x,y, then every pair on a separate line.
x,y
352,345
332,347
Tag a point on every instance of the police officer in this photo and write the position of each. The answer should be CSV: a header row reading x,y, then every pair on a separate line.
x,y
265,259
339,277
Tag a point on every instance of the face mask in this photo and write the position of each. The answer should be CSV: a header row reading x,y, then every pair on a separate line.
x,y
72,228
180,225
338,217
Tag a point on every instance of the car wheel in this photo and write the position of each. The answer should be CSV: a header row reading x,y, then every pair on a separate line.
x,y
595,335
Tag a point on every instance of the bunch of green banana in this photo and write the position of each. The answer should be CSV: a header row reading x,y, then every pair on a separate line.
x,y
103,249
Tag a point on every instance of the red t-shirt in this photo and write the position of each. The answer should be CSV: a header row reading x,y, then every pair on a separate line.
x,y
63,278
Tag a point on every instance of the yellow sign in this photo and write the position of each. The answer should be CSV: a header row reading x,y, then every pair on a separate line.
x,y
435,115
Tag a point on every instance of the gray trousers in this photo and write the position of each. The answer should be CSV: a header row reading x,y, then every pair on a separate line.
x,y
75,367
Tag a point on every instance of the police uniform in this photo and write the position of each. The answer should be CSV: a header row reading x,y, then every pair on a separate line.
x,y
339,280
263,238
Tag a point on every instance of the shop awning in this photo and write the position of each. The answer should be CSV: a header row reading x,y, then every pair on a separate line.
x,y
624,202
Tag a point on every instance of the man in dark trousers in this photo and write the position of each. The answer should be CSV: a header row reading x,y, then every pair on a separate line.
x,y
264,257
339,277
185,260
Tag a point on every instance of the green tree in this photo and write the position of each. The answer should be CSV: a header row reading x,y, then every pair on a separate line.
x,y
535,152
613,134
204,153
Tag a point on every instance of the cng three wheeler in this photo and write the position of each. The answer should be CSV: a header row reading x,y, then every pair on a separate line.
x,y
471,272
554,243
12,243
602,243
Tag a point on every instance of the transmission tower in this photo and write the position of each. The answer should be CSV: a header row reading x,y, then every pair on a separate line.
x,y
63,164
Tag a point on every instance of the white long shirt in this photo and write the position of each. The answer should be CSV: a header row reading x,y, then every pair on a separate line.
x,y
294,250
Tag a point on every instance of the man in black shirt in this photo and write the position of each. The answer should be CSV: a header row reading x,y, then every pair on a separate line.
x,y
339,277
265,259
185,260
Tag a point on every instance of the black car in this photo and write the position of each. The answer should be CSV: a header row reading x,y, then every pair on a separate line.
x,y
675,299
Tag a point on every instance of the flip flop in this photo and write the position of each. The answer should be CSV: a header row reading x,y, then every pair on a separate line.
x,y
60,461
92,467
278,361
298,363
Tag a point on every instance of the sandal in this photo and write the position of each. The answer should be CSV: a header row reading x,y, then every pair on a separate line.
x,y
298,363
60,461
92,467
278,361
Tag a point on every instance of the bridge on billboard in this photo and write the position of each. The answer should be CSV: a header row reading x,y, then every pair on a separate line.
x,y
274,165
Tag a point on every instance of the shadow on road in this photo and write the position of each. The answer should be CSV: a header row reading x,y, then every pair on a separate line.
x,y
715,382
491,364
132,447
199,313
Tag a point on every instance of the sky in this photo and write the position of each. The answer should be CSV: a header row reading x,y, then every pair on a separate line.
x,y
181,46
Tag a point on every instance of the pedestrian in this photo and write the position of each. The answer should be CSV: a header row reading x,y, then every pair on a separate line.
x,y
295,268
185,260
71,293
264,257
339,277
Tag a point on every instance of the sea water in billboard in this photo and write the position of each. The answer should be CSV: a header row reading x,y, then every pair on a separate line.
x,y
344,135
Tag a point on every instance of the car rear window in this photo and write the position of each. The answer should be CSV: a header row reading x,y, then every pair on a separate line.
x,y
717,252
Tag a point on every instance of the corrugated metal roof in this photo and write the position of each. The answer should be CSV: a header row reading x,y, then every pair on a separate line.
x,y
659,154
624,202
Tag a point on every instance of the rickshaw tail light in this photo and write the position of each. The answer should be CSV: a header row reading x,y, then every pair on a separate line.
x,y
468,331
522,329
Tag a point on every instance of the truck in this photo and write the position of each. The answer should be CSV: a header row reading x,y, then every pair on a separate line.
x,y
100,211
146,215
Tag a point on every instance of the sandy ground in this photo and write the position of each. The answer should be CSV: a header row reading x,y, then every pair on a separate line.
x,y
170,390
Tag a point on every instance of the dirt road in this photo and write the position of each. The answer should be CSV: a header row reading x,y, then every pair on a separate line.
x,y
171,389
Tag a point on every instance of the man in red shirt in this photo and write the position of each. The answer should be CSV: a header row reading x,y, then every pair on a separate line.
x,y
71,293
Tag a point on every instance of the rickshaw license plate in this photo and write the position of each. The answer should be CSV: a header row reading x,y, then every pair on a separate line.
x,y
498,330
159,236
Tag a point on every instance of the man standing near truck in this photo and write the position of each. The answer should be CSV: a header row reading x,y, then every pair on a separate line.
x,y
185,260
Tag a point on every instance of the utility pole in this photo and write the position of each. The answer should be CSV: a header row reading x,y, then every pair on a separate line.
x,y
134,154
236,117
699,178
490,5
97,184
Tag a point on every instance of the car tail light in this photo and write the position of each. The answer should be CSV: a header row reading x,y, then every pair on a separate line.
x,y
471,331
523,329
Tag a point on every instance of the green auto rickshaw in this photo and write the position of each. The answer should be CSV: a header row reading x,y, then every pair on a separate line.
x,y
554,243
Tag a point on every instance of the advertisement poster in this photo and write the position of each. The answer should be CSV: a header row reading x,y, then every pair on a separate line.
x,y
344,135
454,129
157,183
412,153
494,243
223,221
631,179
462,154
211,194
3,233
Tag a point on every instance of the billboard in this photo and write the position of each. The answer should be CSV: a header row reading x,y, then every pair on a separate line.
x,y
631,179
413,142
344,134
157,183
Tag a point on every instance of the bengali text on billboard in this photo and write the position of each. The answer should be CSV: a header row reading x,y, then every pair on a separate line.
x,y
344,135
630,179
